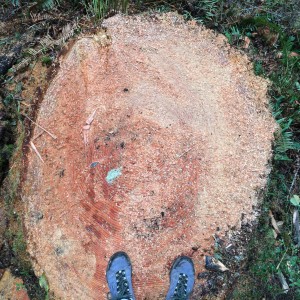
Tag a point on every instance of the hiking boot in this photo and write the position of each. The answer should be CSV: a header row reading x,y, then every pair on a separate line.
x,y
118,276
182,278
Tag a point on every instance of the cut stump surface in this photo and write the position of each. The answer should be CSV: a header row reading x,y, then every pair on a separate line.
x,y
163,136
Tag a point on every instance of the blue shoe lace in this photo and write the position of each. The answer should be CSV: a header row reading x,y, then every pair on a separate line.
x,y
122,287
180,292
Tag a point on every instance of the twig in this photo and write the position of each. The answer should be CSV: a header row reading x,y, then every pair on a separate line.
x,y
37,136
296,174
281,260
52,135
36,151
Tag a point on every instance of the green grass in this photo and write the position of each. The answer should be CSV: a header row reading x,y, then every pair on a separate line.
x,y
46,60
101,8
96,8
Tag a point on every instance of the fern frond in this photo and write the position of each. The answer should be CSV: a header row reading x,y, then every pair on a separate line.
x,y
67,32
36,17
47,42
285,142
15,2
22,64
285,139
48,4
31,52
287,46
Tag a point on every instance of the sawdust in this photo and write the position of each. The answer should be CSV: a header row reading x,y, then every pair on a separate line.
x,y
183,122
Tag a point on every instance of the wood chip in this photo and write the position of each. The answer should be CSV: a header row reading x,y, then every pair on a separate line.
x,y
86,127
91,117
36,151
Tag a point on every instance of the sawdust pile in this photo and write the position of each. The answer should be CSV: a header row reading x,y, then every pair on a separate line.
x,y
163,137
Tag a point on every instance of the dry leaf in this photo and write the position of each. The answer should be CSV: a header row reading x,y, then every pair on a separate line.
x,y
212,264
274,223
246,42
294,54
270,37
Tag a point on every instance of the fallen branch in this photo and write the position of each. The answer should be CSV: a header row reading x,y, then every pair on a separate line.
x,y
52,135
36,151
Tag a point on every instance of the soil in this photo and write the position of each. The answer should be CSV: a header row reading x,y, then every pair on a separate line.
x,y
163,138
